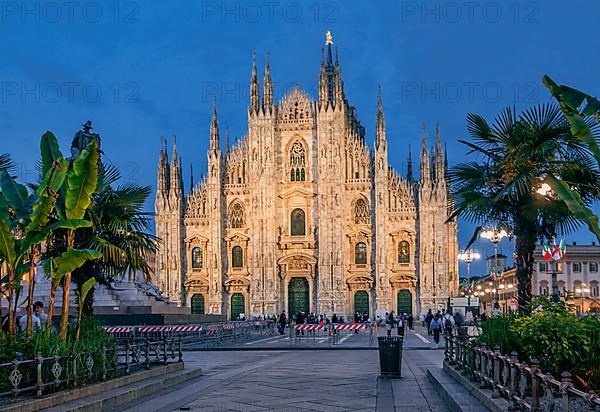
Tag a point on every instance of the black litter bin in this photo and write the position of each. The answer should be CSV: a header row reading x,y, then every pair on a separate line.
x,y
390,356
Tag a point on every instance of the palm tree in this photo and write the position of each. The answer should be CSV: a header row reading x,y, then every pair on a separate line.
x,y
6,163
119,231
516,154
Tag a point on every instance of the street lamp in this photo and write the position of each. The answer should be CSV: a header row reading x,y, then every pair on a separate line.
x,y
581,290
468,256
495,235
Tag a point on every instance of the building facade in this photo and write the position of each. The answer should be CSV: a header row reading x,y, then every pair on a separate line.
x,y
301,214
577,276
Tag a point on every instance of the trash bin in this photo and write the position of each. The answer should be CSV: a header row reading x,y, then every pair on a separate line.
x,y
390,356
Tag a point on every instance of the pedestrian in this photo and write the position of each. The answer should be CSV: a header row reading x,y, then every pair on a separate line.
x,y
428,319
356,320
448,322
409,321
282,322
38,320
400,322
365,317
389,322
436,327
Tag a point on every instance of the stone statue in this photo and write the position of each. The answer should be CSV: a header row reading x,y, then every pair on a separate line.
x,y
83,138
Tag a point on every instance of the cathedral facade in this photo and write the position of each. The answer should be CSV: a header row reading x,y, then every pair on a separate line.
x,y
302,215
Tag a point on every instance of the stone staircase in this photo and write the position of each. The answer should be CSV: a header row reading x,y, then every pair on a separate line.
x,y
121,298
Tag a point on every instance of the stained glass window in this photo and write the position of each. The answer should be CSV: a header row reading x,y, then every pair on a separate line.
x,y
197,258
237,257
297,162
236,216
360,253
361,212
298,223
403,252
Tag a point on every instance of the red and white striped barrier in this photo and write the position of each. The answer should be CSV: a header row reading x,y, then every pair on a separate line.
x,y
229,326
153,329
350,326
117,329
309,327
188,328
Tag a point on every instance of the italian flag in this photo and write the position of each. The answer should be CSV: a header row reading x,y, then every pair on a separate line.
x,y
546,251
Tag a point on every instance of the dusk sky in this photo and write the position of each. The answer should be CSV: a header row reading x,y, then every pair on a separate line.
x,y
139,70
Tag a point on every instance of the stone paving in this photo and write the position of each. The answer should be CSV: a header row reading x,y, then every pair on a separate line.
x,y
304,380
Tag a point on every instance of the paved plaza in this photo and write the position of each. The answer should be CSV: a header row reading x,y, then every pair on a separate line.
x,y
270,375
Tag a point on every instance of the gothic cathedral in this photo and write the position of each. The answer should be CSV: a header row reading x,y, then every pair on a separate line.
x,y
302,215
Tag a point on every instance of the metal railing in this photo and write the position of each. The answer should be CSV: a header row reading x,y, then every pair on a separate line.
x,y
45,374
524,385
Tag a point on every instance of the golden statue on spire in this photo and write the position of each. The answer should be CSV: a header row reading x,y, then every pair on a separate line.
x,y
328,38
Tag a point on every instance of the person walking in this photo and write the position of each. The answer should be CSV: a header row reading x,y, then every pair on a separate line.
x,y
409,321
282,321
436,328
401,324
428,319
448,322
389,322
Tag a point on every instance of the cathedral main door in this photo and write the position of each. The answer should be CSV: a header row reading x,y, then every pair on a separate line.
x,y
361,302
404,301
298,296
238,305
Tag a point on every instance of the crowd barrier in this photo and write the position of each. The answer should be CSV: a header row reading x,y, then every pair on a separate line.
x,y
314,331
204,335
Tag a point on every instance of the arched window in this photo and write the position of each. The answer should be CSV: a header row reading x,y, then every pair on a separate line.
x,y
360,253
297,162
403,252
237,257
361,212
197,258
297,223
236,216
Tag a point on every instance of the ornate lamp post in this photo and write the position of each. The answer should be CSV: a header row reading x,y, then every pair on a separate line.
x,y
495,235
468,256
553,255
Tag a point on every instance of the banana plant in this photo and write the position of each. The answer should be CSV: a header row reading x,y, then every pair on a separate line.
x,y
74,198
85,290
582,112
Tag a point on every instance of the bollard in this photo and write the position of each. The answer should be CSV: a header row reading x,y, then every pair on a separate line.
x,y
514,368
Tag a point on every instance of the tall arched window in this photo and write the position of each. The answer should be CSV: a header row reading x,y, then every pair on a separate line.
x,y
360,253
236,216
297,162
298,223
197,258
403,252
237,257
361,212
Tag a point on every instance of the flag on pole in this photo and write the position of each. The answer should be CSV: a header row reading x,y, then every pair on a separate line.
x,y
546,252
558,251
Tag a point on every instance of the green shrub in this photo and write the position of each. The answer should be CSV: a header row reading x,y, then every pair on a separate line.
x,y
554,335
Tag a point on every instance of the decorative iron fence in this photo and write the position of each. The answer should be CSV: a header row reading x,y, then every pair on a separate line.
x,y
524,385
53,373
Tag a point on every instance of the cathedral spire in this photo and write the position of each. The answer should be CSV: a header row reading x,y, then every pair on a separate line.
x,y
328,43
380,138
338,82
176,185
254,91
191,177
226,139
425,165
438,156
409,168
163,175
267,88
214,127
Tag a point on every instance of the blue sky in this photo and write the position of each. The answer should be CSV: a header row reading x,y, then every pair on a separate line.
x,y
140,70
